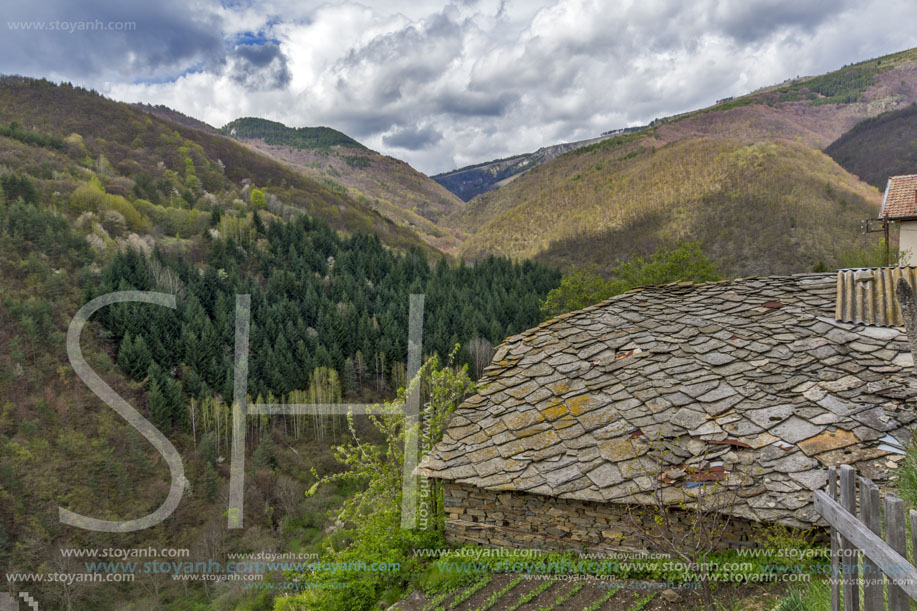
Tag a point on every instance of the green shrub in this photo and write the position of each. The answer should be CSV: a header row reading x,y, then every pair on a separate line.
x,y
174,221
584,286
89,197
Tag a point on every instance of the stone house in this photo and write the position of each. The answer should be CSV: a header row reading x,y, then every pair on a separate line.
x,y
784,376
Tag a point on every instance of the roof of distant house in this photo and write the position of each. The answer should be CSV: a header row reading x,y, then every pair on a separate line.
x,y
754,372
900,200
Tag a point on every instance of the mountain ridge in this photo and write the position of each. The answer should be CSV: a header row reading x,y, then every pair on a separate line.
x,y
388,186
569,211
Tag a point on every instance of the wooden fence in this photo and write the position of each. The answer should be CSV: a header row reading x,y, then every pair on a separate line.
x,y
884,562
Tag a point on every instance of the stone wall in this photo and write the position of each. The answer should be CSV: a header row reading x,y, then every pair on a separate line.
x,y
532,521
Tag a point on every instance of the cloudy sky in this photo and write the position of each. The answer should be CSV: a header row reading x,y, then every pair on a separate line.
x,y
444,85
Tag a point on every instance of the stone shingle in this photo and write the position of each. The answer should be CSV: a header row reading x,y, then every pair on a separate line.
x,y
756,368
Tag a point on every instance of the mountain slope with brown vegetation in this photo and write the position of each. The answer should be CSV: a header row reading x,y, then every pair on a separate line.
x,y
745,177
762,208
384,184
812,110
148,155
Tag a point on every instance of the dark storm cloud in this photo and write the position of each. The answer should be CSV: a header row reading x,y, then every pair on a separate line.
x,y
260,67
108,39
749,22
480,104
412,137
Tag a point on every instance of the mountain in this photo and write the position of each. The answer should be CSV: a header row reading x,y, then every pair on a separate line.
x,y
475,179
746,177
141,155
757,209
98,196
169,114
880,147
384,184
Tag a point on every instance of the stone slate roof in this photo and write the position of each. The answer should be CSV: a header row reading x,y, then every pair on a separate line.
x,y
753,372
900,200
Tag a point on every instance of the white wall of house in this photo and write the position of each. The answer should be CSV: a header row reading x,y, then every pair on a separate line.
x,y
908,242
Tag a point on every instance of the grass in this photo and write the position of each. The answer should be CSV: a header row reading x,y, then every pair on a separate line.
x,y
813,596
469,592
496,596
531,595
560,600
605,598
643,602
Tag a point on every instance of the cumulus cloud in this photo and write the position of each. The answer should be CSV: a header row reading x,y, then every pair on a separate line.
x,y
444,85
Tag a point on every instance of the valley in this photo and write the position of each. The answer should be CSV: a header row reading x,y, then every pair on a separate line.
x,y
330,239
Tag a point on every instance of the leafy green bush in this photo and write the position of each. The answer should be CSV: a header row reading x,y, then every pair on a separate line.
x,y
584,286
174,221
31,137
868,256
89,197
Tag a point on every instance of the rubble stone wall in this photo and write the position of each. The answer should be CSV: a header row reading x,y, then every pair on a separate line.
x,y
530,521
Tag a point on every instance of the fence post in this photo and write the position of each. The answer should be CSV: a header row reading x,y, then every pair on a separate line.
x,y
896,536
873,581
835,572
850,568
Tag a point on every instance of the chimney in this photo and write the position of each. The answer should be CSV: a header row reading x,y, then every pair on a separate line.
x,y
908,301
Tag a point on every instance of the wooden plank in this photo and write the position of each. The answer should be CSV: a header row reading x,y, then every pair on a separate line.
x,y
871,544
896,536
873,582
835,564
850,566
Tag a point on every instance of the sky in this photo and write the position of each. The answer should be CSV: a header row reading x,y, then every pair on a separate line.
x,y
443,85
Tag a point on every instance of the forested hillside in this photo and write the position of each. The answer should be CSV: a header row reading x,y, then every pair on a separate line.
x,y
383,184
756,209
745,178
97,196
323,307
879,147
139,156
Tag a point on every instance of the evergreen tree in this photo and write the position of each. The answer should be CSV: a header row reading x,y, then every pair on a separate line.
x,y
160,414
134,356
211,483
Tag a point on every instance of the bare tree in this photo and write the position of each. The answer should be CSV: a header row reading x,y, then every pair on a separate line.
x,y
688,507
481,351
